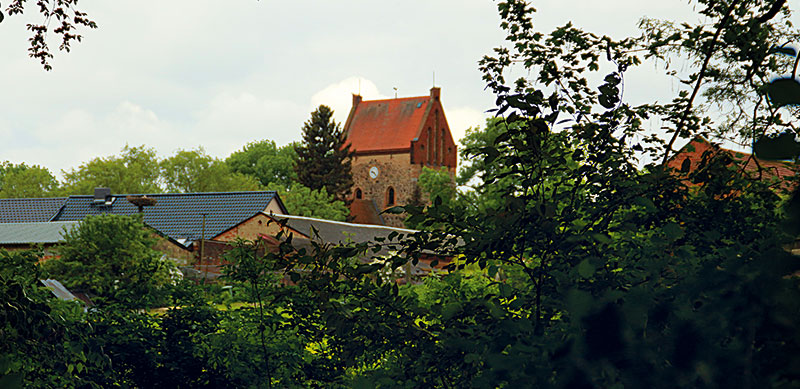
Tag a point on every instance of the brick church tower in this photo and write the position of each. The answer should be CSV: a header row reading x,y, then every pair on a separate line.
x,y
393,140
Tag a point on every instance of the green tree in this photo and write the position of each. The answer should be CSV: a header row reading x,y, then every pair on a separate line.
x,y
19,181
323,159
437,183
303,201
45,342
195,171
135,171
112,258
266,161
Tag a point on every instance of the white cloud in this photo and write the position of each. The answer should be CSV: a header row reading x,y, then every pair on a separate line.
x,y
339,96
232,119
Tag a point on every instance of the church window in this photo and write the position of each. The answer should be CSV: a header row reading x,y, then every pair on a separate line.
x,y
431,145
390,196
441,140
359,195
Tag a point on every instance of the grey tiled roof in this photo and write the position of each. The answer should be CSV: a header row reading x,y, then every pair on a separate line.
x,y
29,210
37,232
179,215
340,232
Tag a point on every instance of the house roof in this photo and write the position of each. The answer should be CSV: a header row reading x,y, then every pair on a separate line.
x,y
695,149
179,216
336,232
383,125
36,232
29,210
364,211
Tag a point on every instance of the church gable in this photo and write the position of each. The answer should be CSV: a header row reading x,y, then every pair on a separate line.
x,y
393,141
415,125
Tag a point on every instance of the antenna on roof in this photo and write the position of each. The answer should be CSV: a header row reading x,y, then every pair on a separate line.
x,y
434,79
359,86
395,91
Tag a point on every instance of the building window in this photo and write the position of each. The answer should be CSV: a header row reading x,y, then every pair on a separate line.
x,y
431,145
359,195
390,196
441,140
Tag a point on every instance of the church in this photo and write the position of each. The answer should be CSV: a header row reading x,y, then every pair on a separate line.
x,y
393,140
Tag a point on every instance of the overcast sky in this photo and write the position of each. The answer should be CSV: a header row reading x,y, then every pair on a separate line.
x,y
178,74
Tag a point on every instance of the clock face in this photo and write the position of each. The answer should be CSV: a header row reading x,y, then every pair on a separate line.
x,y
373,172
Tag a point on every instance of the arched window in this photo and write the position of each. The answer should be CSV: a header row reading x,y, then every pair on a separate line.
x,y
390,196
359,195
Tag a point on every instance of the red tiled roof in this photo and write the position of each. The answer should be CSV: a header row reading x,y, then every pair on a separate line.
x,y
769,168
364,211
391,124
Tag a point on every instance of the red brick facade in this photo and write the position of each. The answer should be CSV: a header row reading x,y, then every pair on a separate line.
x,y
393,140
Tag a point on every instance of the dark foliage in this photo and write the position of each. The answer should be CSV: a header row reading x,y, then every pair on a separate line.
x,y
323,158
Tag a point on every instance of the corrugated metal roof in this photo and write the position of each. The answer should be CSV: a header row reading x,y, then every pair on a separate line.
x,y
29,210
336,232
179,215
38,232
59,290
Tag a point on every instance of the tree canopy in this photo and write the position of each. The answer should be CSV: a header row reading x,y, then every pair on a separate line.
x,y
323,159
135,171
26,181
266,161
112,257
195,171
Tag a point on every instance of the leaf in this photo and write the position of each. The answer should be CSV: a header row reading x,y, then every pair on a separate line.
x,y
784,91
673,231
790,51
450,310
395,210
1,17
13,380
783,146
586,269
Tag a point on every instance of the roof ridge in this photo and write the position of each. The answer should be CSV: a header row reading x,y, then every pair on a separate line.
x,y
179,194
342,223
36,198
394,99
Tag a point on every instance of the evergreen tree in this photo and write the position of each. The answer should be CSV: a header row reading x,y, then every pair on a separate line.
x,y
323,160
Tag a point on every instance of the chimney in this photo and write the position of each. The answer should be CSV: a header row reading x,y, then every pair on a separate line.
x,y
435,92
356,99
102,196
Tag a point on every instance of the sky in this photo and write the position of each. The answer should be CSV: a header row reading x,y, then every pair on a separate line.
x,y
183,74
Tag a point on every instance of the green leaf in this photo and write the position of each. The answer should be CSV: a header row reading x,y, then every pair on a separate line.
x,y
784,91
450,310
673,231
10,381
586,269
783,146
395,210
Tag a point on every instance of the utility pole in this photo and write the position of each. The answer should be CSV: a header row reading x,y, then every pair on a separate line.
x,y
202,245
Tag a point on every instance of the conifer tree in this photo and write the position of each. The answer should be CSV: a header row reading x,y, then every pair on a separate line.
x,y
323,159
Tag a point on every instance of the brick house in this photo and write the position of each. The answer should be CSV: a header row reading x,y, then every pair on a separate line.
x,y
306,232
179,220
691,156
393,140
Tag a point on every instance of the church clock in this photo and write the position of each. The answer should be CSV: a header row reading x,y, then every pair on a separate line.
x,y
373,172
